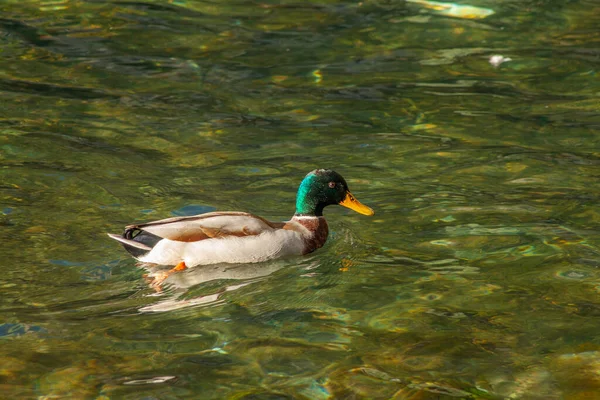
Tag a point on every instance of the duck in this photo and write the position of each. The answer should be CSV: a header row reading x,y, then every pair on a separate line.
x,y
236,237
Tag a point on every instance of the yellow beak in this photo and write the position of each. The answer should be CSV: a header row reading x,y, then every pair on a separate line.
x,y
353,204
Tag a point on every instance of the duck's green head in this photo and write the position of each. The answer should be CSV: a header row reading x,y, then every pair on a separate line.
x,y
324,187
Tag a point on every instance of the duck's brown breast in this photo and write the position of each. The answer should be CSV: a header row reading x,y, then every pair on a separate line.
x,y
315,234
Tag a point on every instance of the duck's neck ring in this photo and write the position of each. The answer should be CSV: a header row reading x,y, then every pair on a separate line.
x,y
301,217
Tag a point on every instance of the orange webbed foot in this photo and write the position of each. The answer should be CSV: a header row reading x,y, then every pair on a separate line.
x,y
179,267
156,279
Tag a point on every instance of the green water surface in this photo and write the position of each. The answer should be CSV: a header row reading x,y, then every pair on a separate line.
x,y
477,278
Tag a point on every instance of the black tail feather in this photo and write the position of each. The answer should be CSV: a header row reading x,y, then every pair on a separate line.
x,y
140,236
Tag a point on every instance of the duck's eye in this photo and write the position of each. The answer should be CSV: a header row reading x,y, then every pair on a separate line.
x,y
331,185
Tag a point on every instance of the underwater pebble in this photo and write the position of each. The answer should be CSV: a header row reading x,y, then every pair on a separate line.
x,y
572,274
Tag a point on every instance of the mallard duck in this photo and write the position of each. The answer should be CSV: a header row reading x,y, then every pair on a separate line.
x,y
239,237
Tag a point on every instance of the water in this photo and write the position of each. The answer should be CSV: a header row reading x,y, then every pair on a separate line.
x,y
476,278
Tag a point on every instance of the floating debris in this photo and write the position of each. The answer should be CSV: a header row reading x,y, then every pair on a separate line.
x,y
442,242
150,381
498,59
455,10
448,218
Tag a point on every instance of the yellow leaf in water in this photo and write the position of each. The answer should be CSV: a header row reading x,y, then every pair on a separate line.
x,y
318,75
420,127
515,167
279,78
35,229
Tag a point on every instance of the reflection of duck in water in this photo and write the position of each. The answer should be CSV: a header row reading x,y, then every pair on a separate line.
x,y
238,237
219,278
